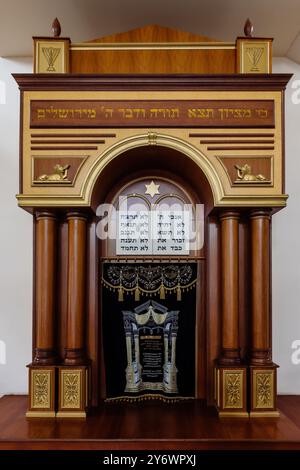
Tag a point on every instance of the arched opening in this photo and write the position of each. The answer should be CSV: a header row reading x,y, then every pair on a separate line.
x,y
178,177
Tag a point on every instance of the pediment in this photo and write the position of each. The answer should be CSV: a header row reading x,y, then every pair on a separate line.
x,y
153,34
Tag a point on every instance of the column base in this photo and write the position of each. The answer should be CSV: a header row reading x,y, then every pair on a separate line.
x,y
74,391
75,357
263,389
71,414
44,357
41,400
230,357
231,391
40,414
264,414
233,414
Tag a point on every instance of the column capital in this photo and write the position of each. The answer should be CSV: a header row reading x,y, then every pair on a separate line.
x,y
77,215
45,215
260,214
229,214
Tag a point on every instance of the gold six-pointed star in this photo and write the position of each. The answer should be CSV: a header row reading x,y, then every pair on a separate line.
x,y
152,189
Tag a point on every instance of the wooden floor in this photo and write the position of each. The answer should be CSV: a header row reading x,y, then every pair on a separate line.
x,y
151,426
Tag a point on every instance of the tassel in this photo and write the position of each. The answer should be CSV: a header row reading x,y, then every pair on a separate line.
x,y
137,294
162,292
120,294
178,293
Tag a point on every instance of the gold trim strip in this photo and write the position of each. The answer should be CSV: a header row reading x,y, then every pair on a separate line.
x,y
71,414
264,414
63,200
233,414
40,414
135,46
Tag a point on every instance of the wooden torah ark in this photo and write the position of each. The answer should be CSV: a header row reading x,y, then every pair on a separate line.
x,y
152,103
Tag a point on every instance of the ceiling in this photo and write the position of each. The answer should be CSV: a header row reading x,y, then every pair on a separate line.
x,y
82,20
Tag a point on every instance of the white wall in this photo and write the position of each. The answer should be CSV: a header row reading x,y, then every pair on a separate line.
x,y
286,247
16,246
15,241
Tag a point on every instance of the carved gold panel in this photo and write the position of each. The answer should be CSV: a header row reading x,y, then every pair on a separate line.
x,y
51,56
248,171
263,389
55,171
71,389
233,389
254,55
41,385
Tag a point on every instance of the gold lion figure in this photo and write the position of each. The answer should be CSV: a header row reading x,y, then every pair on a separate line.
x,y
60,174
244,174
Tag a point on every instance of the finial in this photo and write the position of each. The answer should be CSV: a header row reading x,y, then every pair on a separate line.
x,y
248,28
56,28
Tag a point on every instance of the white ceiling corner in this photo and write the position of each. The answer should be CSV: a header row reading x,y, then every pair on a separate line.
x,y
83,20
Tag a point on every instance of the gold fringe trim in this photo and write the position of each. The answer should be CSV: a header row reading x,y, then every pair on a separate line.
x,y
162,290
147,397
120,294
137,294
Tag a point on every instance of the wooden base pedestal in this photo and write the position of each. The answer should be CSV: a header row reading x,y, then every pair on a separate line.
x,y
232,387
73,392
42,383
231,391
58,392
263,380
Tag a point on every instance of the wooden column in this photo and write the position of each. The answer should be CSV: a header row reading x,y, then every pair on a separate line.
x,y
230,354
260,263
75,344
263,374
45,270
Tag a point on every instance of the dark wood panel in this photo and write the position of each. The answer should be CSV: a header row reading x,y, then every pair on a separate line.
x,y
147,113
201,333
233,134
241,147
82,136
45,166
213,300
63,147
228,141
153,61
187,426
258,166
93,314
64,141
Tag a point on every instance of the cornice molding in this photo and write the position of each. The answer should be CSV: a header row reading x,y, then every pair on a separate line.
x,y
91,82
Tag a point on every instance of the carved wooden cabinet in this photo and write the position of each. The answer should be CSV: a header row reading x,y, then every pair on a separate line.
x,y
218,135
